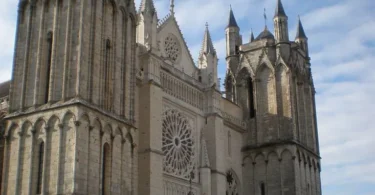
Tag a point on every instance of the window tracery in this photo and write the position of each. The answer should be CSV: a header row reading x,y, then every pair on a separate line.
x,y
172,47
178,144
232,184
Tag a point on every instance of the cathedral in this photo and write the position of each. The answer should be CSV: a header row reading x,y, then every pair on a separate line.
x,y
106,99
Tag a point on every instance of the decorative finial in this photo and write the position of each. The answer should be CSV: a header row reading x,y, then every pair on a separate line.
x,y
206,24
265,18
172,7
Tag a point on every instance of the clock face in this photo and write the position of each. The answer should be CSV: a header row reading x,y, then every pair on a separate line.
x,y
172,48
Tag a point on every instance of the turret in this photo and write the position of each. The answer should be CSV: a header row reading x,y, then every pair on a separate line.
x,y
147,24
281,24
301,37
208,60
232,32
233,42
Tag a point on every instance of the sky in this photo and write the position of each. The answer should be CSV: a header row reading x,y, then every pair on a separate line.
x,y
342,46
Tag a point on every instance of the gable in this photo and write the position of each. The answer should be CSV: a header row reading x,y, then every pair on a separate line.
x,y
168,33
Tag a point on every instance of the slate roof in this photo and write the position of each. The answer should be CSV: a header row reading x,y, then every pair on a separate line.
x,y
300,31
279,9
266,34
232,20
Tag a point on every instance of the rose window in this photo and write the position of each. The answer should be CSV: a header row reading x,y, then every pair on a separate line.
x,y
172,47
178,144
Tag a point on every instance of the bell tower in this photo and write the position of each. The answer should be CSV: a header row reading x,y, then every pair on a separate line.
x,y
71,98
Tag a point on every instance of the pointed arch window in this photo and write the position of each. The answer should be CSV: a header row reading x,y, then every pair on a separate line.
x,y
262,188
106,170
229,144
107,74
49,63
40,168
251,97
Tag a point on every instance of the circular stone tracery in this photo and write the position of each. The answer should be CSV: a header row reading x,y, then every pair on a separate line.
x,y
172,47
178,144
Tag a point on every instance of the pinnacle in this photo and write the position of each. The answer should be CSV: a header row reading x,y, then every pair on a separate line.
x,y
232,20
207,45
147,6
300,31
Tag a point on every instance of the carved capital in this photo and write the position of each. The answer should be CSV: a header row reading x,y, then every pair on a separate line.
x,y
254,163
299,83
61,126
47,128
77,123
33,131
280,159
123,141
20,134
91,128
134,145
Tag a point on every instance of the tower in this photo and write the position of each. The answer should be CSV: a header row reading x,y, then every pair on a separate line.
x,y
281,151
71,99
233,42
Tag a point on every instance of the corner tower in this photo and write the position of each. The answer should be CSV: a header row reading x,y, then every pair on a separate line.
x,y
71,98
281,153
233,42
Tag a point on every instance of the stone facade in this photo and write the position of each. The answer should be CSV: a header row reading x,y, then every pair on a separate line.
x,y
108,100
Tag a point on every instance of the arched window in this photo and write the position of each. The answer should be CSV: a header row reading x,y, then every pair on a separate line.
x,y
40,168
251,97
107,75
262,189
229,144
49,62
106,170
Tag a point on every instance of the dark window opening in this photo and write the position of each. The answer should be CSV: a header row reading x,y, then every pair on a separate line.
x,y
251,98
200,79
40,168
106,169
107,73
237,49
49,63
262,189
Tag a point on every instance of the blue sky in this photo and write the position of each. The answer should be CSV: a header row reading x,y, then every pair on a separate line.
x,y
342,47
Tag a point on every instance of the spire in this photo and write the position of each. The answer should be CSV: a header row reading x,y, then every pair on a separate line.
x,y
171,9
251,36
147,6
300,31
280,12
207,46
232,20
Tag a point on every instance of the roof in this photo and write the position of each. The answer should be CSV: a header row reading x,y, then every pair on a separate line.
x,y
300,31
232,20
266,34
4,89
279,9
